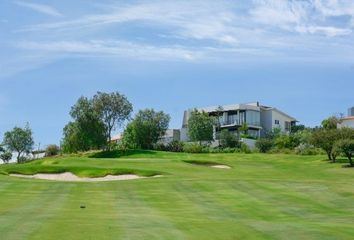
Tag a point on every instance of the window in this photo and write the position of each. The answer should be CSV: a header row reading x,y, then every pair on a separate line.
x,y
287,126
276,122
253,118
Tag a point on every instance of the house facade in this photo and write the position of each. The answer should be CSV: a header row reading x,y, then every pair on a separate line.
x,y
259,119
347,121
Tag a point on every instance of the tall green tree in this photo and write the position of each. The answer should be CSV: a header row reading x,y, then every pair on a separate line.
x,y
86,131
325,139
113,110
19,140
330,123
200,126
147,127
346,146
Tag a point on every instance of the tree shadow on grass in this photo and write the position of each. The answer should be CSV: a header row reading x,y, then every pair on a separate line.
x,y
118,153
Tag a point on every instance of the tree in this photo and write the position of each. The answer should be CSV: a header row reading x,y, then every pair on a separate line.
x,y
228,139
52,150
200,126
19,140
147,127
297,128
6,157
346,146
113,110
86,131
325,139
330,123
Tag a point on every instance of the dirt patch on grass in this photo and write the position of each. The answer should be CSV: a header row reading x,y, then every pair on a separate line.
x,y
69,177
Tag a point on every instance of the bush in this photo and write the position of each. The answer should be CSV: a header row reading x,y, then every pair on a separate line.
x,y
22,159
228,140
175,146
307,149
247,136
264,145
287,141
194,148
160,147
52,150
245,148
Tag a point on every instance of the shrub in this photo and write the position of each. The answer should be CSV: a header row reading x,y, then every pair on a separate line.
x,y
193,148
264,145
245,148
175,146
52,150
247,136
228,140
307,149
160,147
22,159
229,150
287,141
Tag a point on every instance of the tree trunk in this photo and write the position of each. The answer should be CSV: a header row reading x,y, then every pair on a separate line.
x,y
351,161
334,158
18,157
329,156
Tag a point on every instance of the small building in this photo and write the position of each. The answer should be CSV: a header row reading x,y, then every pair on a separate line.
x,y
347,121
117,138
170,136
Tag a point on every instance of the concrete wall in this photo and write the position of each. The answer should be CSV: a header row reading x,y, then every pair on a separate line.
x,y
268,118
347,123
184,135
251,143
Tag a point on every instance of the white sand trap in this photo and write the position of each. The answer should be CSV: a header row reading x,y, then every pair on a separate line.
x,y
69,177
220,166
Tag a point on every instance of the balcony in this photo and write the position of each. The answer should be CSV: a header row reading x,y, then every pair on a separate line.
x,y
238,123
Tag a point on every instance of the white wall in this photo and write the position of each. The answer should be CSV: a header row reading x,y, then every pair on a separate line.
x,y
30,156
282,119
347,123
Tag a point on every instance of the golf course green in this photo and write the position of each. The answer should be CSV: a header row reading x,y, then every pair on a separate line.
x,y
261,196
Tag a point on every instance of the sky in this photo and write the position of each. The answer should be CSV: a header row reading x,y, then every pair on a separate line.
x,y
297,56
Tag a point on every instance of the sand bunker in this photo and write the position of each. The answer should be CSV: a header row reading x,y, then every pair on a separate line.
x,y
220,166
68,176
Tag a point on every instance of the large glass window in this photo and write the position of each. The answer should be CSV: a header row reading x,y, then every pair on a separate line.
x,y
253,118
232,119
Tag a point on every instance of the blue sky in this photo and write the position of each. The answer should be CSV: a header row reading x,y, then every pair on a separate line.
x,y
172,55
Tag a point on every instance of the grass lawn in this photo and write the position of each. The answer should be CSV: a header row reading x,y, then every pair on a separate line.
x,y
263,196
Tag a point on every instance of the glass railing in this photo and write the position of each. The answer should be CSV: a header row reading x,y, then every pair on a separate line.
x,y
238,122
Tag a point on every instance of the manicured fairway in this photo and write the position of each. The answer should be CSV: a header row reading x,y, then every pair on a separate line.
x,y
262,197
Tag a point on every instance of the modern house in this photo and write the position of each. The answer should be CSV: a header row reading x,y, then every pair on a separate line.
x,y
347,121
260,119
170,135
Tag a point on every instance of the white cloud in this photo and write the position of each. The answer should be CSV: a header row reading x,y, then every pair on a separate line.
x,y
305,17
41,8
196,31
328,31
114,48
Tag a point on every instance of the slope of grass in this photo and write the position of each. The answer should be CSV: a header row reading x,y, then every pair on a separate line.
x,y
263,196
